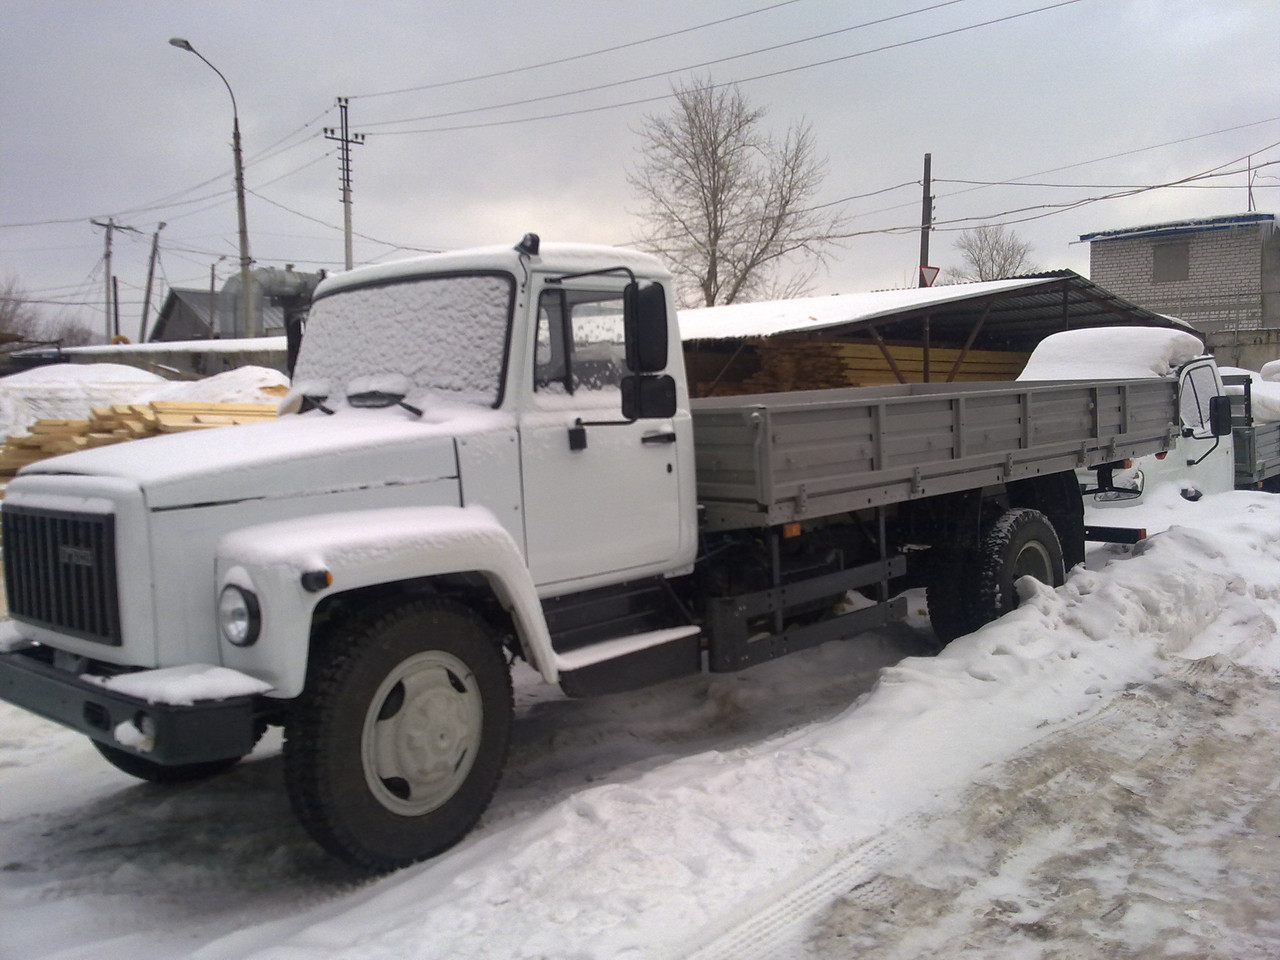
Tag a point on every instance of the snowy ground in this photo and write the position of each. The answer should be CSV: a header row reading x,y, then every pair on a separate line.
x,y
1093,776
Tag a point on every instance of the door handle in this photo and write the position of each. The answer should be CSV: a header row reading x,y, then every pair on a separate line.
x,y
669,437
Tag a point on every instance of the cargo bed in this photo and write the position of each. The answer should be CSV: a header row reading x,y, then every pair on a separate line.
x,y
1257,444
775,458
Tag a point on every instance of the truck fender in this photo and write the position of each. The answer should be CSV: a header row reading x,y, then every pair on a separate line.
x,y
362,549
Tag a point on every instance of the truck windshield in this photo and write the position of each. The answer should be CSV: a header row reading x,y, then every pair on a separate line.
x,y
444,335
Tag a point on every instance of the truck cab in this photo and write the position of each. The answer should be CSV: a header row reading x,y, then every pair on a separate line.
x,y
468,436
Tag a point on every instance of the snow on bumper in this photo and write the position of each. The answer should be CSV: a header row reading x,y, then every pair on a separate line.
x,y
176,716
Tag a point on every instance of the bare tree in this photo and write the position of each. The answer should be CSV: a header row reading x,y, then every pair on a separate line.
x,y
727,206
19,318
992,253
22,323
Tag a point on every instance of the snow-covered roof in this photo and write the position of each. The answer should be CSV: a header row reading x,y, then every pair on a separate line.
x,y
1174,227
1012,314
237,345
818,313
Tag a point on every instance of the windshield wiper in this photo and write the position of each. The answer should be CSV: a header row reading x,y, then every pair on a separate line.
x,y
382,398
315,403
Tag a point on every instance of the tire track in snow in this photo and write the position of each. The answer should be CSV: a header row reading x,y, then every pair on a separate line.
x,y
1136,735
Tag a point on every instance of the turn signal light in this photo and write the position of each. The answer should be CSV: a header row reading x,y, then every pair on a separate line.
x,y
313,581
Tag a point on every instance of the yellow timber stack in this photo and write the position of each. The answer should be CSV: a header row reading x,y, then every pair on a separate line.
x,y
122,422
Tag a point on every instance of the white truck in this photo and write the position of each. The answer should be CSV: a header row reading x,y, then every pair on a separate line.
x,y
490,455
1245,458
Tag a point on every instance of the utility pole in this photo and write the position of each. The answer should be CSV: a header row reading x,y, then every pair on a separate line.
x,y
926,217
151,272
345,138
111,306
106,261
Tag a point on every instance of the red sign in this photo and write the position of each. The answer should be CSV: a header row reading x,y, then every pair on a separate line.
x,y
929,274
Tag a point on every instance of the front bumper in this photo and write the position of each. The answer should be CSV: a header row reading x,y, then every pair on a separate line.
x,y
175,734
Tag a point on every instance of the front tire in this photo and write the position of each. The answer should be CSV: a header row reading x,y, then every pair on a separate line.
x,y
399,744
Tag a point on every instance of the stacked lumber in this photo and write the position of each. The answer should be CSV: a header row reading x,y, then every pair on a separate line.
x,y
122,422
818,365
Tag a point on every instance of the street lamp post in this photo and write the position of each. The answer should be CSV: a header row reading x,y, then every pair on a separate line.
x,y
250,321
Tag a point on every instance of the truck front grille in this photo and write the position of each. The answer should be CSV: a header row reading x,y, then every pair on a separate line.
x,y
60,571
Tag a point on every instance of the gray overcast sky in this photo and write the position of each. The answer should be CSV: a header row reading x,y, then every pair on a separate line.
x,y
100,116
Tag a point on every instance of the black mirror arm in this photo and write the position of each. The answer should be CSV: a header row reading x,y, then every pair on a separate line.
x,y
1194,463
578,432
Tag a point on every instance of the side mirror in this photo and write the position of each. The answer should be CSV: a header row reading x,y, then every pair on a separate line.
x,y
648,398
644,319
1220,415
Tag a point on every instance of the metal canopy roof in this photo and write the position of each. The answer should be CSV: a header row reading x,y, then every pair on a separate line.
x,y
1013,314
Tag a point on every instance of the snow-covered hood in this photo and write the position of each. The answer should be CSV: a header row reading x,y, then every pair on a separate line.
x,y
300,455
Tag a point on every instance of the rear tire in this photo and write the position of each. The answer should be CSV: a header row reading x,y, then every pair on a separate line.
x,y
1022,542
399,744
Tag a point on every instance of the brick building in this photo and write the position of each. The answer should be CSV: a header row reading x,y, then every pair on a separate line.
x,y
1221,274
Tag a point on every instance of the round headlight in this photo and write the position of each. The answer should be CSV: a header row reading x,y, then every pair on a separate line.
x,y
239,616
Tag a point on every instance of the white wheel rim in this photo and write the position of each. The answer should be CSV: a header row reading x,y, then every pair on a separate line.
x,y
422,733
1033,560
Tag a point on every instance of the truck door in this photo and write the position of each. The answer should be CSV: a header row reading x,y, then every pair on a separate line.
x,y
1205,461
601,495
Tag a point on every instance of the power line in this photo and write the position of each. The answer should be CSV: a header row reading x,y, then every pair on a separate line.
x,y
715,86
1127,153
1041,211
170,201
332,226
952,225
571,59
1015,181
667,73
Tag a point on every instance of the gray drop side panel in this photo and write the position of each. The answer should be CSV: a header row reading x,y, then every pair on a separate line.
x,y
1257,453
773,458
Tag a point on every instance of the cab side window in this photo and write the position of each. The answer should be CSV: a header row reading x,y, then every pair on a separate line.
x,y
579,348
1198,386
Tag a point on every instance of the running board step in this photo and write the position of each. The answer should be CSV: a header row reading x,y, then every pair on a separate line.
x,y
627,663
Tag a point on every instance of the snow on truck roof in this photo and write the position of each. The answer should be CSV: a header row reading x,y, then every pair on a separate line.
x,y
1122,353
551,257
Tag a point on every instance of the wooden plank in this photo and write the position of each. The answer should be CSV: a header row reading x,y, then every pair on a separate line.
x,y
187,406
123,422
55,427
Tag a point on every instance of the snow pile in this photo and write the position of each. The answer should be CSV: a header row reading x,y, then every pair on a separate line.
x,y
242,385
68,391
1271,371
1265,393
1101,353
